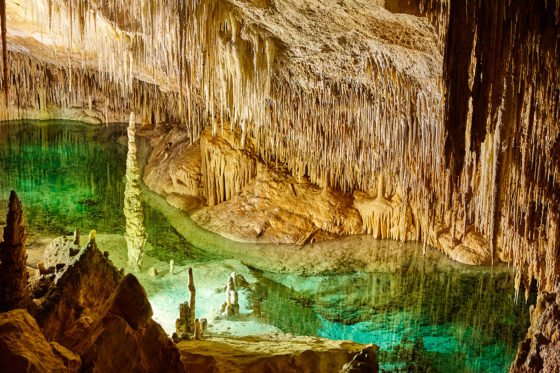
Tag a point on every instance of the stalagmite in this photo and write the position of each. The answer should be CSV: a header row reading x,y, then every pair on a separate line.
x,y
13,257
231,305
185,325
135,235
77,237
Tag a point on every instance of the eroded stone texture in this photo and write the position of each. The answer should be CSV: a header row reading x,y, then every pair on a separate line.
x,y
274,353
75,283
540,351
13,271
124,337
23,348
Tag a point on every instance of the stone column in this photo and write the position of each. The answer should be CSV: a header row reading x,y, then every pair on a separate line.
x,y
13,258
135,231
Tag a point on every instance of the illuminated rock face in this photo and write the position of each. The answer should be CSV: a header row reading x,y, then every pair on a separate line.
x,y
135,235
13,270
457,109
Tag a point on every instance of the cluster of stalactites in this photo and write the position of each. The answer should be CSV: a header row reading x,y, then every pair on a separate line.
x,y
486,159
503,114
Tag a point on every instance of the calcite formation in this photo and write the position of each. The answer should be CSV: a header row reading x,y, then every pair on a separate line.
x,y
91,314
186,324
452,101
13,268
231,305
540,351
135,235
441,118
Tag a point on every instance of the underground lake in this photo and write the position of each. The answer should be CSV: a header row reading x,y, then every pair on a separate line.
x,y
424,311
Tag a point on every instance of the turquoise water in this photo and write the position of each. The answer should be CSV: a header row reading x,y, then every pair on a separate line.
x,y
452,319
448,320
70,175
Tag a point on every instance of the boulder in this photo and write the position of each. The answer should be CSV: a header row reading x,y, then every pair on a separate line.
x,y
540,351
124,337
23,348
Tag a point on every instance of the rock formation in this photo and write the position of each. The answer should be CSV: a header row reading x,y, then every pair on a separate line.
x,y
74,284
13,268
186,323
231,305
540,351
23,348
83,303
455,108
135,235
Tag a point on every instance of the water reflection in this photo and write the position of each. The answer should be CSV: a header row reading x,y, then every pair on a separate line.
x,y
69,175
440,321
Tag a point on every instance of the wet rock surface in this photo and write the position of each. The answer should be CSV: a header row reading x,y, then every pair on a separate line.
x,y
540,351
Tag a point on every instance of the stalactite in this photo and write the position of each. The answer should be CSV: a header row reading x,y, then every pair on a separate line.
x,y
4,48
473,146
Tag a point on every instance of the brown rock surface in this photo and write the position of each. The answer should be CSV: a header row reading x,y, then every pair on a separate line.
x,y
274,353
78,282
23,348
13,270
540,351
124,337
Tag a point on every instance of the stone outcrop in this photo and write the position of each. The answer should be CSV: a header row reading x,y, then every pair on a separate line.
x,y
84,304
75,283
23,348
274,353
13,269
135,235
540,351
124,337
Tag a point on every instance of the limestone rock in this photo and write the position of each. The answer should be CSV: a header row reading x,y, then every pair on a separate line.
x,y
82,281
23,348
540,351
124,337
272,353
13,269
135,235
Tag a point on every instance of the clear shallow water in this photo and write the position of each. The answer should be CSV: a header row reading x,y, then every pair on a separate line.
x,y
70,175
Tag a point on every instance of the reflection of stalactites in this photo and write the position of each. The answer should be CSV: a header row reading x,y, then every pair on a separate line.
x,y
135,231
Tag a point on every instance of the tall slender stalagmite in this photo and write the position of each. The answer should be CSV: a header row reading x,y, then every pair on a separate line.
x,y
13,270
135,231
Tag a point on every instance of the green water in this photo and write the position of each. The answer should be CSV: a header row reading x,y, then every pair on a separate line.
x,y
69,175
452,319
458,320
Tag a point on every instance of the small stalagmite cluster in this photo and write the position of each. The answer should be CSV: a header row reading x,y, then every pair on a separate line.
x,y
187,325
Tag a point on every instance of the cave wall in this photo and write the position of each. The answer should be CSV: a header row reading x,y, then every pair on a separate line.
x,y
456,111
